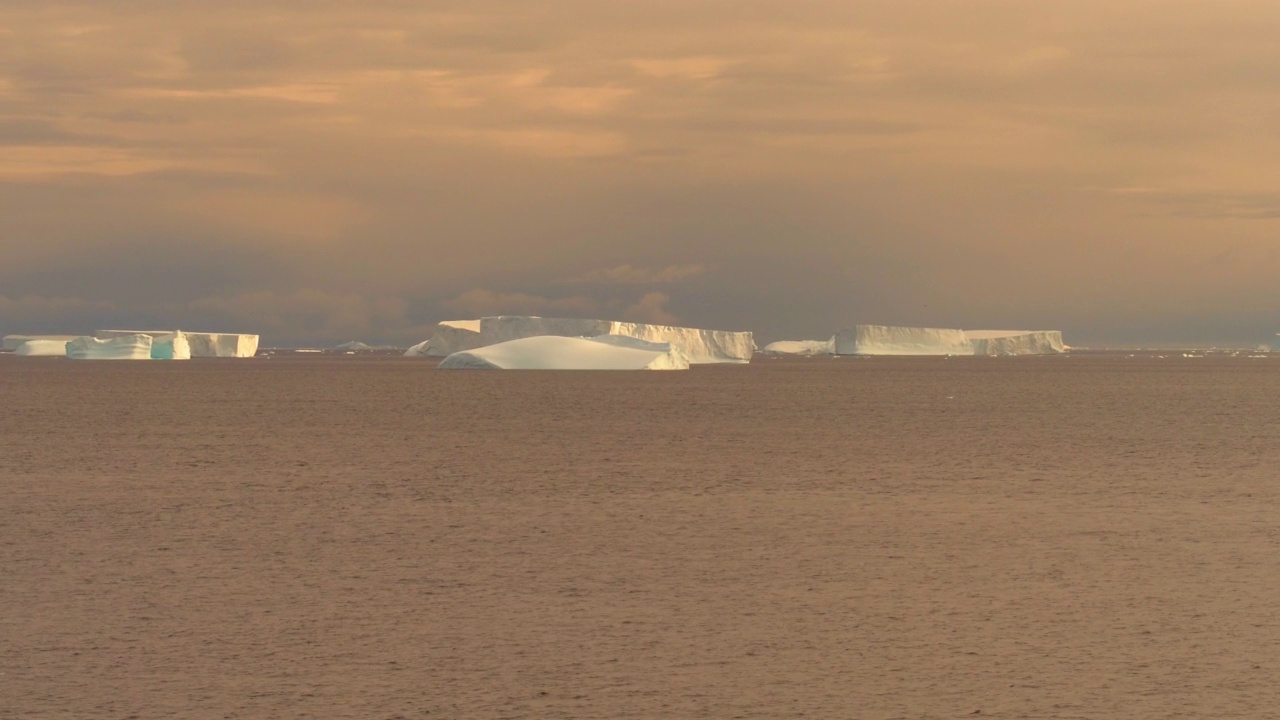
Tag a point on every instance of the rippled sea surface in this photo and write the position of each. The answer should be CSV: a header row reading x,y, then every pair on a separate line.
x,y
1093,536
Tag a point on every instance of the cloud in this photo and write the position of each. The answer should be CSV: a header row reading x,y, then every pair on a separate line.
x,y
651,309
307,315
479,303
626,274
787,170
1207,205
36,314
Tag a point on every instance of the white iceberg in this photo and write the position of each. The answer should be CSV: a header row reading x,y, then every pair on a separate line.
x,y
698,345
702,347
1016,342
554,352
451,336
800,347
120,347
11,342
170,346
202,344
42,348
888,340
356,346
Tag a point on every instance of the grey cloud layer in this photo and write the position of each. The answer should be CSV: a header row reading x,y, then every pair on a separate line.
x,y
322,171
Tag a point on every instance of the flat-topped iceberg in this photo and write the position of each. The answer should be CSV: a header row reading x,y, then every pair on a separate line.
x,y
800,347
201,344
698,345
42,348
451,336
120,347
702,347
555,352
170,346
889,340
12,342
1016,342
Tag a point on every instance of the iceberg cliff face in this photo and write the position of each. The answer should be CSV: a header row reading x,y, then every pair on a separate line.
x,y
800,347
12,342
170,346
554,352
889,340
514,327
42,348
228,345
451,336
1016,342
699,346
121,347
201,344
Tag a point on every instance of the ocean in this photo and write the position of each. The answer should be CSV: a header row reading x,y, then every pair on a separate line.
x,y
1086,536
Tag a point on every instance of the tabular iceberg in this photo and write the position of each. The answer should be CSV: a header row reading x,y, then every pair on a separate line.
x,y
451,336
170,346
699,346
121,347
1016,342
42,348
800,347
11,342
555,352
887,340
201,344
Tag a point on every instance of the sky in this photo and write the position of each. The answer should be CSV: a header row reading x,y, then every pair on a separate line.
x,y
319,171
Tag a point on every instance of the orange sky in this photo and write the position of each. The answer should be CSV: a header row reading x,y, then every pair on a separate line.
x,y
323,171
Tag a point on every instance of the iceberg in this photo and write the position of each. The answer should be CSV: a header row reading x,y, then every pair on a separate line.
x,y
170,346
801,347
229,345
451,336
201,344
1016,342
11,342
698,345
702,347
555,352
42,348
888,340
120,347
356,346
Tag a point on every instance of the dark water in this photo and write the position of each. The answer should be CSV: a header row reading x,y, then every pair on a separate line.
x,y
1079,537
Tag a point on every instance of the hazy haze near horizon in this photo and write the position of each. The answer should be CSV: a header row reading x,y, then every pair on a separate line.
x,y
319,171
